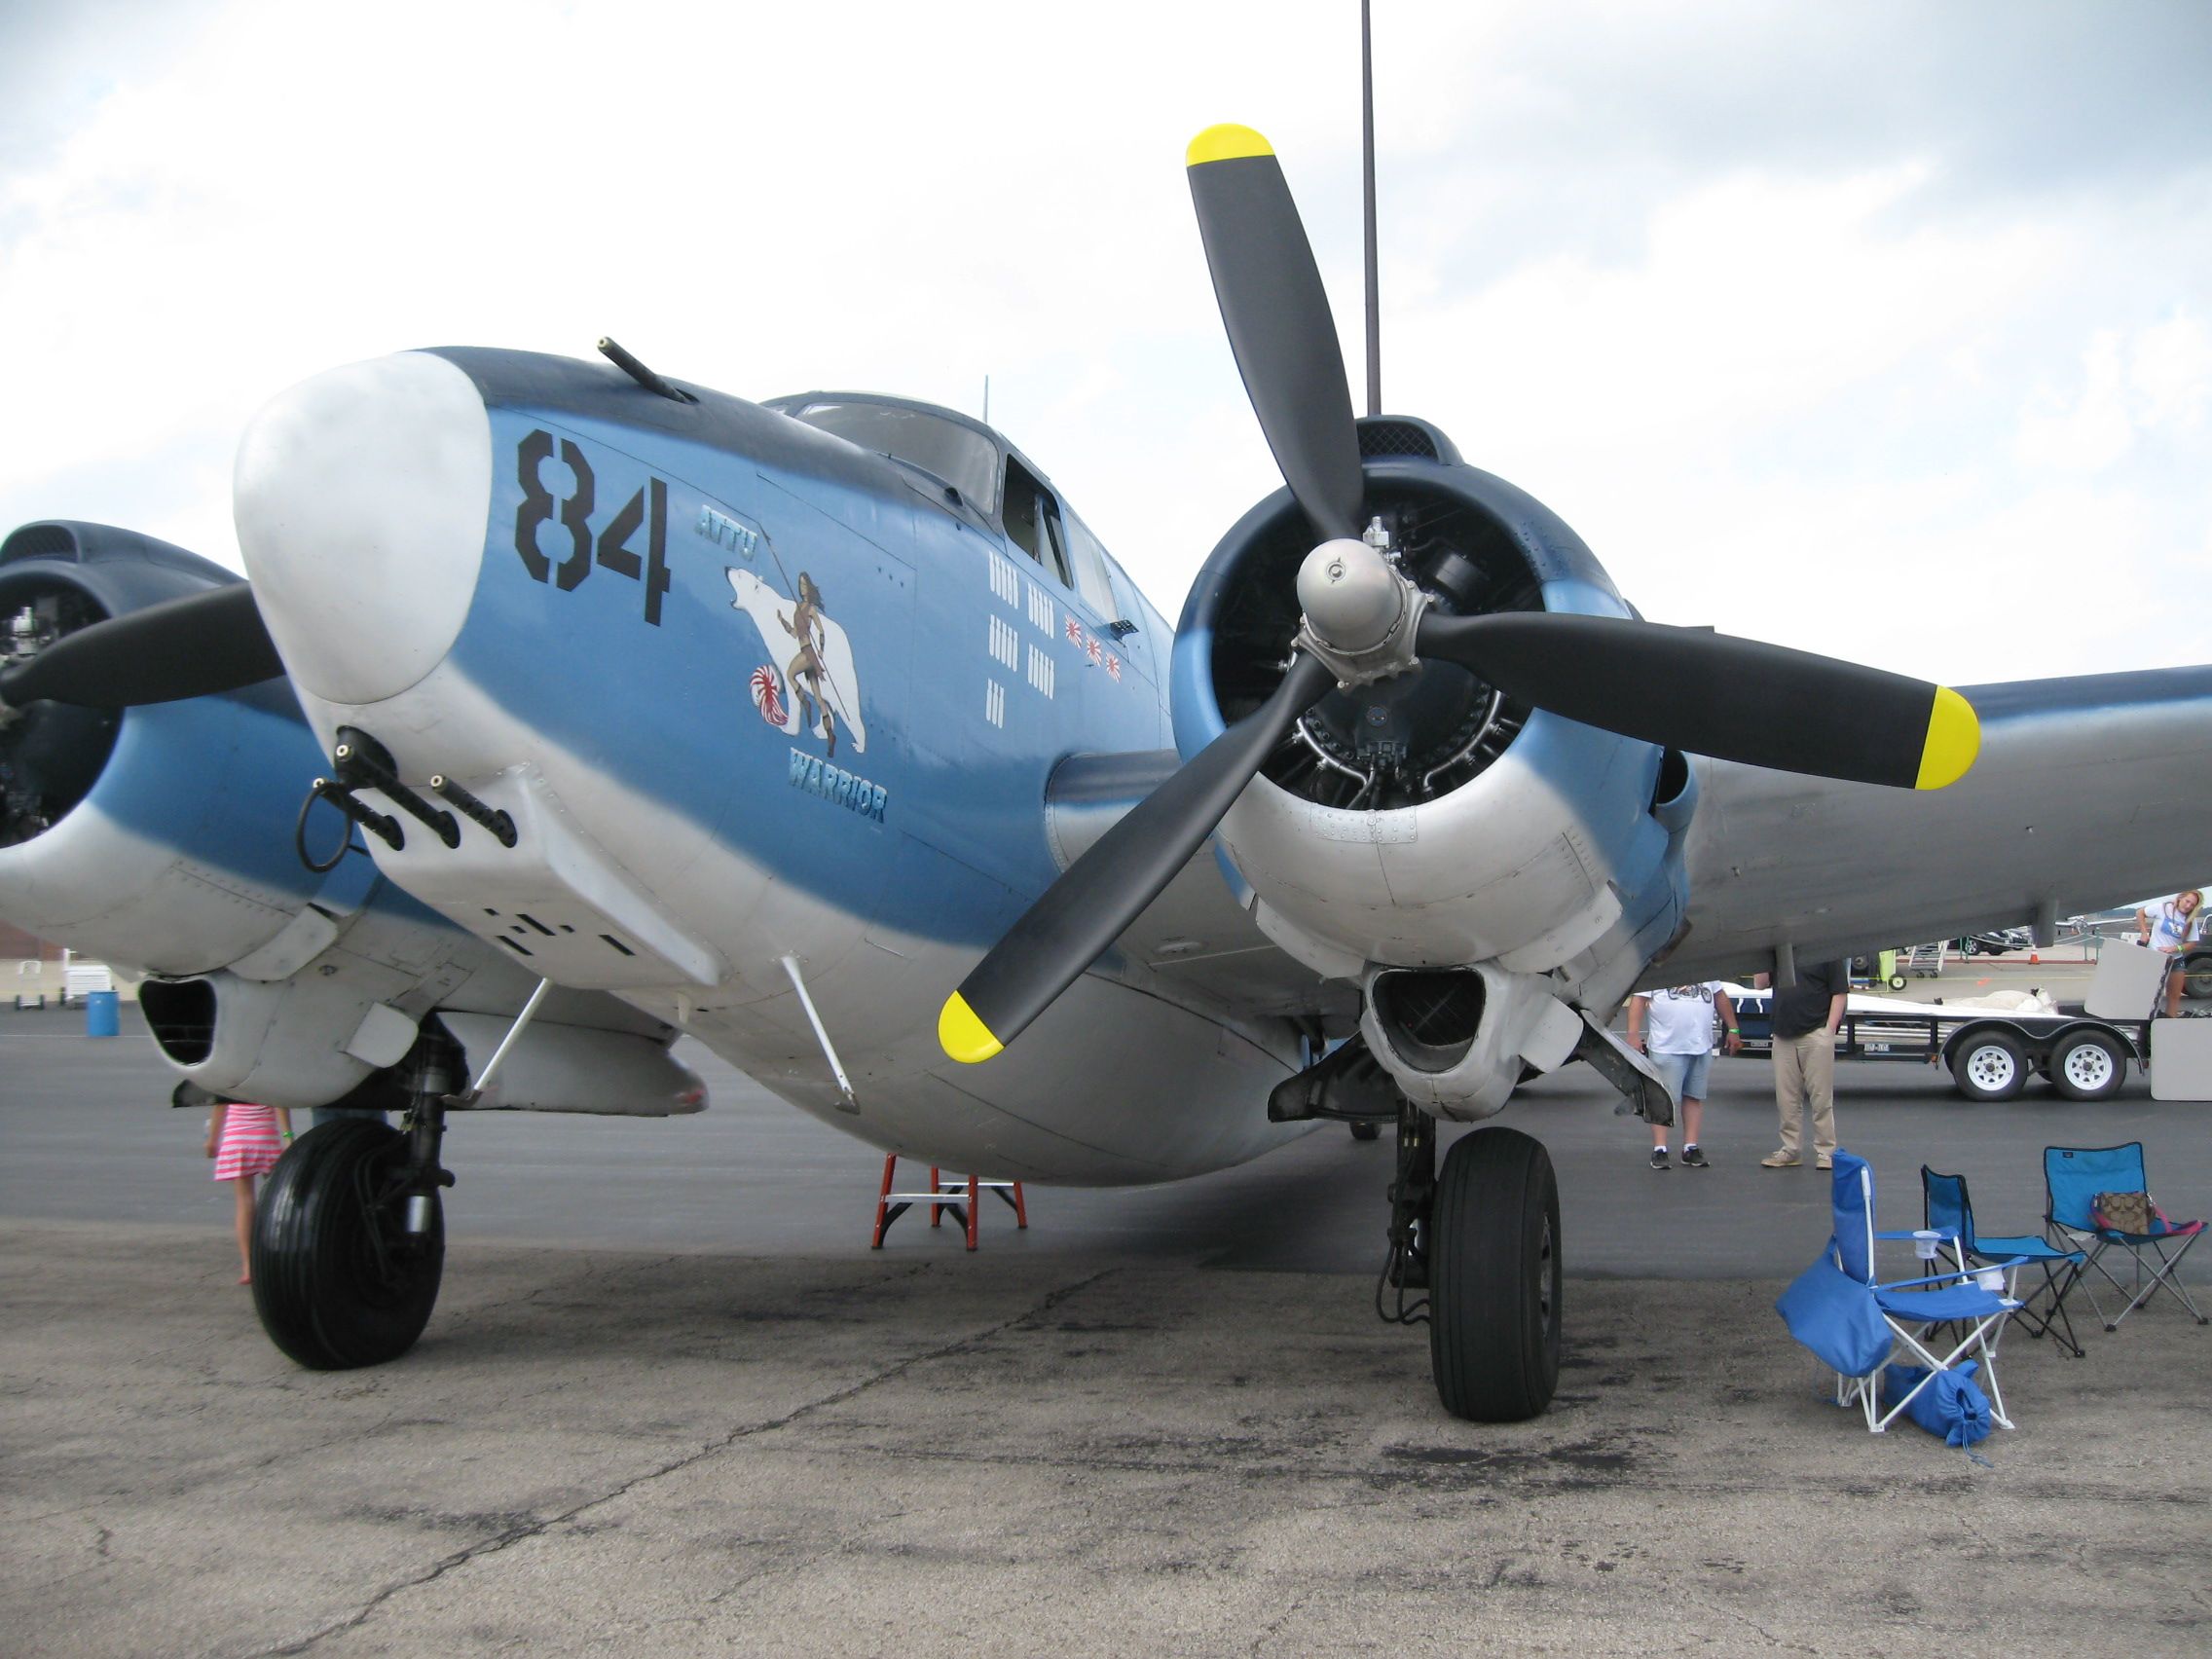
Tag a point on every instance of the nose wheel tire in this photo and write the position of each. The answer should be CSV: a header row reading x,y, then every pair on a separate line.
x,y
1494,1288
337,1279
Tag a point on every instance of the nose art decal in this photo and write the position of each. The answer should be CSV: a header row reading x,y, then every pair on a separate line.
x,y
819,690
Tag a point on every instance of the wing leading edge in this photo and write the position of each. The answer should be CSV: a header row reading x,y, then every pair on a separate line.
x,y
2088,793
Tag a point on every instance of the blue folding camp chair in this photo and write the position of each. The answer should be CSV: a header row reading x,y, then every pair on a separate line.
x,y
1950,1212
1856,1324
2071,1177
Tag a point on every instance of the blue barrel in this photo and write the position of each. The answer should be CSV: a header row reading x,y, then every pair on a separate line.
x,y
103,1015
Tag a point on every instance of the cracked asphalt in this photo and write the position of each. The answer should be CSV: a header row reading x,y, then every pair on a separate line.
x,y
697,1454
669,1403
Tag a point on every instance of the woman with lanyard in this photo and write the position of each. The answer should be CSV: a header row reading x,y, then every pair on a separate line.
x,y
2173,926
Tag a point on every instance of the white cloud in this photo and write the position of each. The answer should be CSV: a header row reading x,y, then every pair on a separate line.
x,y
2170,372
2088,430
1797,356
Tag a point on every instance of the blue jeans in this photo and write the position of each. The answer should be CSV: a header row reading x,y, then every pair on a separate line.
x,y
1683,1074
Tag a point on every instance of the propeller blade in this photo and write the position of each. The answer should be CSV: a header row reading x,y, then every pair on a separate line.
x,y
181,647
1279,327
1733,699
1099,895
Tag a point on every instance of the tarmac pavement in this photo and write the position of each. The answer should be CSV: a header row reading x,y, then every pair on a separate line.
x,y
670,1403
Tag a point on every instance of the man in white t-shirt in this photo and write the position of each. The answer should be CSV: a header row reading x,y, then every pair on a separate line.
x,y
1673,1027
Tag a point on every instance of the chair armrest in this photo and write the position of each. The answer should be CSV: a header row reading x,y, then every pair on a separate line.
x,y
1930,1282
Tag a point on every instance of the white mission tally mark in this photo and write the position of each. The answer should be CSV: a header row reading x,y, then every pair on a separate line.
x,y
1003,641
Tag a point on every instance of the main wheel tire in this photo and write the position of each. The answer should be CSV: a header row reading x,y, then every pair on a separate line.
x,y
1364,1131
1989,1065
2088,1065
336,1281
1493,1316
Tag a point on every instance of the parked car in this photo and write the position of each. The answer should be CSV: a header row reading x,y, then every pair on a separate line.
x,y
1996,941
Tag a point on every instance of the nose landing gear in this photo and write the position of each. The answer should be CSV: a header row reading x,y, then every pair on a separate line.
x,y
1483,1238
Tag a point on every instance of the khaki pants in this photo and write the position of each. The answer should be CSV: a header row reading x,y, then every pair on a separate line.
x,y
1804,1085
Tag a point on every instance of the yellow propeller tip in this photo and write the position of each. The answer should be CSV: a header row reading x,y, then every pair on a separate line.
x,y
1954,739
1226,143
962,1035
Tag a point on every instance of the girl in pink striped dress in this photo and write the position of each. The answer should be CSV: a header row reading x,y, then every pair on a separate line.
x,y
245,1140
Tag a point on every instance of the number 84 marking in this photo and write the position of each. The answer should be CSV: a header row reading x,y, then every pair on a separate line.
x,y
646,509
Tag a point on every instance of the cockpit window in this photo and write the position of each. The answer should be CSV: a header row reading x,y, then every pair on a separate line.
x,y
944,449
1033,521
1090,560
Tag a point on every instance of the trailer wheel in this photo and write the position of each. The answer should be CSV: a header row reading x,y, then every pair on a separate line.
x,y
1989,1065
2088,1065
1896,981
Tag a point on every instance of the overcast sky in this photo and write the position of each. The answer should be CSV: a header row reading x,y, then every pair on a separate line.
x,y
1878,329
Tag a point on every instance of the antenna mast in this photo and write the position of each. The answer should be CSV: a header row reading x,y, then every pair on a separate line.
x,y
1367,168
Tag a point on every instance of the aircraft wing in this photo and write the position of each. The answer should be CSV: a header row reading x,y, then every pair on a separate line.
x,y
2088,793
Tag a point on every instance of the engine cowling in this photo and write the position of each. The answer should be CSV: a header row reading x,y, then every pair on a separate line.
x,y
1426,821
142,835
163,837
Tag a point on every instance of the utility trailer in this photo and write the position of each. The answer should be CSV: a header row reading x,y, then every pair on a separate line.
x,y
1990,1053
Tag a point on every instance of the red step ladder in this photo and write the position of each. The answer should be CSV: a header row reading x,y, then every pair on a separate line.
x,y
959,1197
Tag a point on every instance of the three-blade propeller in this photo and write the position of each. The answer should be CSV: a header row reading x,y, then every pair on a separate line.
x,y
191,647
1734,699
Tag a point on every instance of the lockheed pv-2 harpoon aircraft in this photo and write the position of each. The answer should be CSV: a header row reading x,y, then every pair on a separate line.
x,y
569,709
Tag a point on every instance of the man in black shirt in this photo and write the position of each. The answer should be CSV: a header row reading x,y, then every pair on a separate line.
x,y
1805,1019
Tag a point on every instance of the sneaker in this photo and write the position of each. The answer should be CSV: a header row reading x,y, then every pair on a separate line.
x,y
1659,1158
1824,1161
1693,1158
1781,1160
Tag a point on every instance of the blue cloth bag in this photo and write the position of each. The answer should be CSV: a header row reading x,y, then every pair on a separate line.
x,y
1953,1406
1836,1317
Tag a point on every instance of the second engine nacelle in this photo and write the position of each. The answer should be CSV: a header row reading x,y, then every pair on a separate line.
x,y
150,835
1425,821
314,1039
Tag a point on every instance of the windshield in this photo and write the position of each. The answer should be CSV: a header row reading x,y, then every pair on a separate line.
x,y
944,449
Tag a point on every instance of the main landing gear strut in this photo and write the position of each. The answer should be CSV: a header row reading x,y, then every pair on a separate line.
x,y
1482,1237
350,1241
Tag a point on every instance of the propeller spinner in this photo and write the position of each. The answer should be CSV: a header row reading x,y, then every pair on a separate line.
x,y
1733,699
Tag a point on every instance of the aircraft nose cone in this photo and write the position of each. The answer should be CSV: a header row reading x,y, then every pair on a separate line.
x,y
360,498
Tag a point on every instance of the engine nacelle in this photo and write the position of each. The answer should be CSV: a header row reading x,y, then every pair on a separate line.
x,y
314,1039
149,835
1427,820
304,1040
163,837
